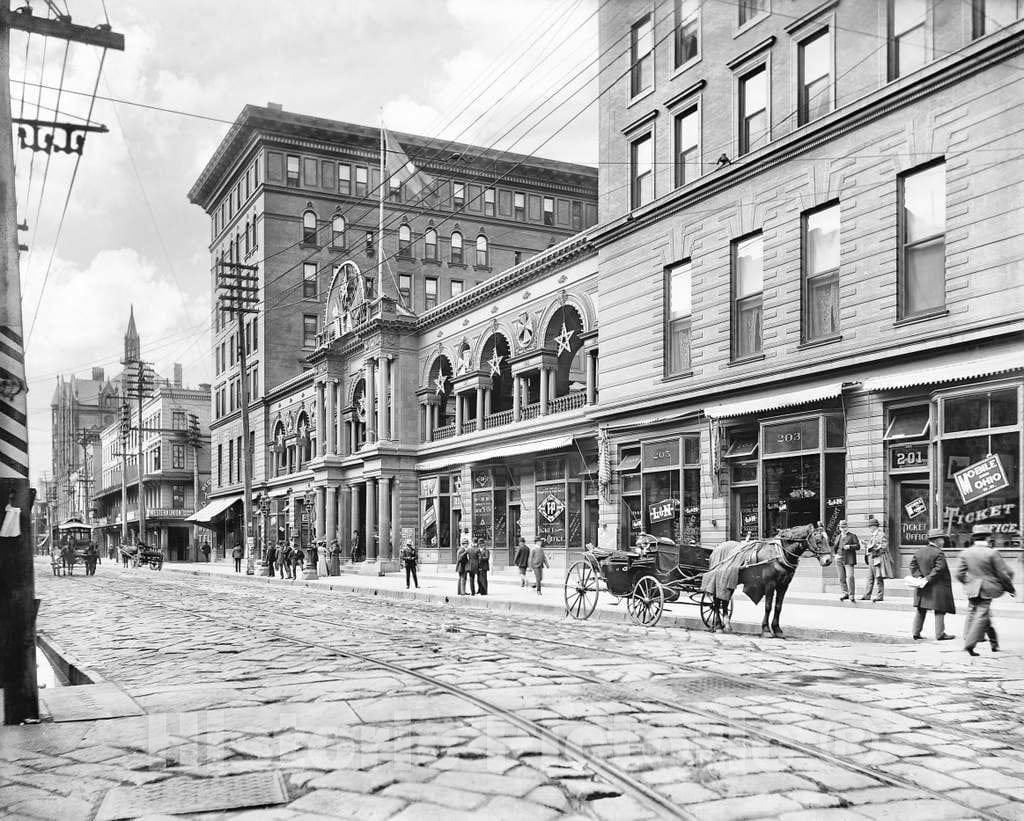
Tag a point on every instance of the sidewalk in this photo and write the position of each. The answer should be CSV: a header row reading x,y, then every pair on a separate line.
x,y
804,616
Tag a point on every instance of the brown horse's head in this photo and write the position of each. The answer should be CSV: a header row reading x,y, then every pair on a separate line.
x,y
808,538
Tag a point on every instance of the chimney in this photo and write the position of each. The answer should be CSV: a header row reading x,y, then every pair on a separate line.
x,y
97,374
177,374
275,106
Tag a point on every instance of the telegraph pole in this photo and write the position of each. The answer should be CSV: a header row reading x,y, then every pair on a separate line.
x,y
238,285
195,439
140,387
126,427
86,438
18,604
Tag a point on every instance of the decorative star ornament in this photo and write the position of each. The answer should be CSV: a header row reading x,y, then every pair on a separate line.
x,y
562,340
495,363
439,383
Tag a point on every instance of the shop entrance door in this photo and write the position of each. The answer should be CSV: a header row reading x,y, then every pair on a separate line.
x,y
909,518
744,519
514,532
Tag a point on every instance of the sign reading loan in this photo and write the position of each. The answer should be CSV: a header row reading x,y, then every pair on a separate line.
x,y
980,479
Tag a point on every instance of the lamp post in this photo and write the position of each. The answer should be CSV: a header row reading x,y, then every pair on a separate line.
x,y
264,513
309,500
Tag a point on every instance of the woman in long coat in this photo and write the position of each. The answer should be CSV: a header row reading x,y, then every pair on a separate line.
x,y
929,563
334,565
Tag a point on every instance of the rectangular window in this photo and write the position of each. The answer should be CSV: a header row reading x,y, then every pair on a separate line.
x,y
178,420
687,31
458,195
405,288
519,207
178,457
456,287
549,211
991,15
231,461
292,175
687,137
429,293
220,465
922,234
309,331
747,286
362,180
678,302
488,202
255,387
394,189
577,216
821,273
814,78
430,244
907,36
751,10
641,164
156,459
255,335
344,178
753,110
369,243
641,57
178,497
309,280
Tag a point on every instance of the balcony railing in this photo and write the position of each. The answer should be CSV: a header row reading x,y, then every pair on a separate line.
x,y
571,401
444,432
531,411
469,427
496,420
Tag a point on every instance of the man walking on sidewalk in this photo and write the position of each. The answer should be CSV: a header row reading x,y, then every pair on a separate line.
x,y
985,576
236,554
845,547
879,561
522,560
538,561
929,563
483,567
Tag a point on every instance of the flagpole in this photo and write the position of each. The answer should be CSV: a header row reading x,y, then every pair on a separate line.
x,y
380,209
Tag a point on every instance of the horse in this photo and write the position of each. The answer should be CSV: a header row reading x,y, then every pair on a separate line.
x,y
67,559
775,562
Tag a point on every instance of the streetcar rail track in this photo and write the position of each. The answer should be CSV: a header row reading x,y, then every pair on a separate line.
x,y
612,774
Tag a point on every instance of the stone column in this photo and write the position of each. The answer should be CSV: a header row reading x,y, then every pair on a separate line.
x,y
384,516
321,512
487,401
352,519
552,383
382,399
331,517
591,377
428,423
370,523
371,401
396,519
330,426
353,444
341,442
543,391
517,398
321,417
392,402
458,414
479,408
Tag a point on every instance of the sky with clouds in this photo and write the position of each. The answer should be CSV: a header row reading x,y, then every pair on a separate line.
x,y
490,72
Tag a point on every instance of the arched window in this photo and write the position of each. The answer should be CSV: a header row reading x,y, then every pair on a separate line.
x,y
338,231
481,251
456,248
430,244
404,240
280,451
309,227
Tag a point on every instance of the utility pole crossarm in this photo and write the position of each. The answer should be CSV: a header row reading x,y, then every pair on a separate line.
x,y
24,20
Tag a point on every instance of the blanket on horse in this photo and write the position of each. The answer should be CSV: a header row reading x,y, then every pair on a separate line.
x,y
729,558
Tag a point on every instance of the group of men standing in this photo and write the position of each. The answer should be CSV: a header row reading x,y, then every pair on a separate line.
x,y
473,562
982,571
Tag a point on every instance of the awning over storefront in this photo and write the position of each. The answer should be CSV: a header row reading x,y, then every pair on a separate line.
x,y
967,367
775,400
213,509
488,454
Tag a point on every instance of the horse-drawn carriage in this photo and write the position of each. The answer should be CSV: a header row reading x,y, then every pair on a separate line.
x,y
655,572
142,554
74,545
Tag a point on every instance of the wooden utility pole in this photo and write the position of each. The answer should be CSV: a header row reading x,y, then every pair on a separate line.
x,y
195,439
140,388
18,604
238,285
126,428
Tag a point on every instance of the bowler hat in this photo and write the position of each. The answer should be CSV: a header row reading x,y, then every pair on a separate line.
x,y
842,522
873,522
937,533
981,530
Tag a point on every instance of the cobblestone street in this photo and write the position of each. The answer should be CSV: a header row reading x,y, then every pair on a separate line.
x,y
371,708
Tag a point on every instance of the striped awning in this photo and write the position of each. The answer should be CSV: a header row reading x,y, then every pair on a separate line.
x,y
214,509
952,370
488,454
774,400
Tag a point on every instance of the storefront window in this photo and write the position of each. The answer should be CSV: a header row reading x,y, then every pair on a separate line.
x,y
661,490
435,514
981,434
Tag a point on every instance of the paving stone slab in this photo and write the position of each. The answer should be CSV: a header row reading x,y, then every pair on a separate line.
x,y
193,795
88,702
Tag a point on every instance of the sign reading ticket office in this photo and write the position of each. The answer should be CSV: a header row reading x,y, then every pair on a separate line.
x,y
980,479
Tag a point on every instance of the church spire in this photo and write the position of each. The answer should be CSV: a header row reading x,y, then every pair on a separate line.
x,y
132,344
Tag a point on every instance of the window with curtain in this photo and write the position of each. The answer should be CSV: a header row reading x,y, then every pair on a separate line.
x,y
907,40
821,272
814,70
678,301
549,211
748,284
404,240
687,140
338,231
753,101
922,271
482,257
641,56
456,245
751,10
309,227
309,288
488,202
687,31
292,172
344,178
641,162
429,293
430,244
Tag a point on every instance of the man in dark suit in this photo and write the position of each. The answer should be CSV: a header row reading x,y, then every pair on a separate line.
x,y
929,563
845,547
472,565
985,576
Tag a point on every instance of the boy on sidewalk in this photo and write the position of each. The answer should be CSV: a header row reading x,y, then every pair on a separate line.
x,y
538,561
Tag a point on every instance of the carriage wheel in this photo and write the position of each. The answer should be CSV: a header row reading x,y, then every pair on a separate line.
x,y
581,590
647,602
707,610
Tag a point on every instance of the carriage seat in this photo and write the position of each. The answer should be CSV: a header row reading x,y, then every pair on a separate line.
x,y
668,554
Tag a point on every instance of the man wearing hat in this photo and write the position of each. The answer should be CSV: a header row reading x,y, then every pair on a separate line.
x,y
879,561
985,576
410,558
845,547
929,563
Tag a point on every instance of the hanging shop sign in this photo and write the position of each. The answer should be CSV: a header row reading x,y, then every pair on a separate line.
x,y
902,457
551,507
662,511
980,479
